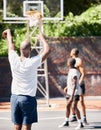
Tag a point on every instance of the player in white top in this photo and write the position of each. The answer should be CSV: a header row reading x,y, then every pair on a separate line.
x,y
24,81
79,65
73,92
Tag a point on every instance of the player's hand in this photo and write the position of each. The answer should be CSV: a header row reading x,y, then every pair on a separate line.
x,y
5,33
65,90
71,99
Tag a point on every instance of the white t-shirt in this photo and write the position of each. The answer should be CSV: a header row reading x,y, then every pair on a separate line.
x,y
24,74
71,74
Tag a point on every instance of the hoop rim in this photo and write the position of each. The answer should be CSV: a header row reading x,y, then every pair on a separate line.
x,y
34,13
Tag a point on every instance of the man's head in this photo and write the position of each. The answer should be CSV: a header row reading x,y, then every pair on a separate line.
x,y
74,52
71,62
25,48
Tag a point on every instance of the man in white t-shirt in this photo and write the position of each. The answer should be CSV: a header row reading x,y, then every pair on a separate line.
x,y
24,81
73,93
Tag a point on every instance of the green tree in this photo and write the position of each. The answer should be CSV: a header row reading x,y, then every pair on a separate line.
x,y
15,7
78,6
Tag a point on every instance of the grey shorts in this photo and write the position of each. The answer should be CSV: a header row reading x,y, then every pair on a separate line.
x,y
23,109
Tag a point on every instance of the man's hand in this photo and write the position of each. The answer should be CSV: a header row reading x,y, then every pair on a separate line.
x,y
6,33
65,90
71,99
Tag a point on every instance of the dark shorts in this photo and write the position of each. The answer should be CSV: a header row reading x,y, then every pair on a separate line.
x,y
23,109
82,88
76,97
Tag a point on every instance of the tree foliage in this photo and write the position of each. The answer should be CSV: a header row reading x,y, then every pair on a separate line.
x,y
78,6
77,23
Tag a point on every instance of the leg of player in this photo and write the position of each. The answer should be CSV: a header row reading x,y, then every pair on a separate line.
x,y
17,127
26,127
83,108
68,106
80,125
73,118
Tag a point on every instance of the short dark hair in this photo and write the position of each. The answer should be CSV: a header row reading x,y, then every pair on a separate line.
x,y
76,51
72,61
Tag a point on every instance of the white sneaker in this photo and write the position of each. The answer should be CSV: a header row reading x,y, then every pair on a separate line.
x,y
79,126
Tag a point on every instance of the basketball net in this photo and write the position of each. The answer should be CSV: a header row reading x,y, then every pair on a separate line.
x,y
34,24
34,17
34,21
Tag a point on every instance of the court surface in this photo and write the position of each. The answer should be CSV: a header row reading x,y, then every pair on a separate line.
x,y
51,119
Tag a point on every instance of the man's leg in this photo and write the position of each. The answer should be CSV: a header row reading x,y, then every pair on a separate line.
x,y
26,127
80,125
17,127
68,106
76,109
83,108
73,118
82,105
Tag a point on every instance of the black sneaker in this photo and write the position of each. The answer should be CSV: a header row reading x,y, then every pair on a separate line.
x,y
85,121
73,119
64,124
79,126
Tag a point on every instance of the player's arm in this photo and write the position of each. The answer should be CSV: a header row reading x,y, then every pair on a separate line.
x,y
46,49
7,35
74,86
82,71
65,90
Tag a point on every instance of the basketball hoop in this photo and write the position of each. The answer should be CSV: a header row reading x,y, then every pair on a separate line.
x,y
34,24
34,17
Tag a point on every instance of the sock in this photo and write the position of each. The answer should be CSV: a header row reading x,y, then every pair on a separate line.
x,y
79,120
73,115
66,119
84,116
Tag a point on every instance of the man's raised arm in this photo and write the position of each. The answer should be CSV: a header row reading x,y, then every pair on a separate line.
x,y
7,35
46,49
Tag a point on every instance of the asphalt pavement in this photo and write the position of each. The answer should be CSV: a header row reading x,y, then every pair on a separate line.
x,y
53,114
50,120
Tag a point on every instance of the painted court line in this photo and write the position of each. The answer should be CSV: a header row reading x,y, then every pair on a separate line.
x,y
5,118
50,118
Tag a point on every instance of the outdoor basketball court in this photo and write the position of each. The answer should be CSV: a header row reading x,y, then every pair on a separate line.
x,y
49,120
51,117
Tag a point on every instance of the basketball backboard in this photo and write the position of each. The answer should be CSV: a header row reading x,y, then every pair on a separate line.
x,y
15,10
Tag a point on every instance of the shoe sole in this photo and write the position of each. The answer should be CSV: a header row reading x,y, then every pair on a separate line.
x,y
62,126
79,128
85,124
74,121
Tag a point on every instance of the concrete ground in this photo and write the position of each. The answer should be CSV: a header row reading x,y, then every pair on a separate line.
x,y
52,115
